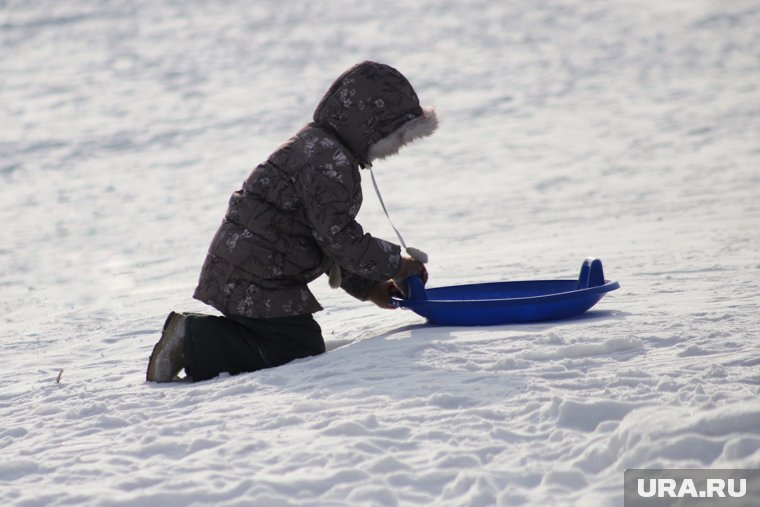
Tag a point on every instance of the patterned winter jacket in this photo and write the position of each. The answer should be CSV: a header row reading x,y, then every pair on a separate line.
x,y
294,217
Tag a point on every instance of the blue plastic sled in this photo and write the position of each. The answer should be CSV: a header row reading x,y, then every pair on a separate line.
x,y
508,302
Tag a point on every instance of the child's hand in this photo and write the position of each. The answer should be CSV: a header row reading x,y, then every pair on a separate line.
x,y
424,275
408,268
381,294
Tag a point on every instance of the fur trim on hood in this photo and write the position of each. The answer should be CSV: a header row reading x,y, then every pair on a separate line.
x,y
419,127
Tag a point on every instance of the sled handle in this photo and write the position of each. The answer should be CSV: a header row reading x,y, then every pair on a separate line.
x,y
415,289
592,274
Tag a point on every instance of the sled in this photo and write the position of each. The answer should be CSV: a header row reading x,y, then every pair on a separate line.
x,y
486,304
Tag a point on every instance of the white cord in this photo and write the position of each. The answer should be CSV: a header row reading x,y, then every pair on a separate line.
x,y
415,253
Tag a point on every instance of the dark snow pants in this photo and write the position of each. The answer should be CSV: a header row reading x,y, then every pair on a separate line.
x,y
215,345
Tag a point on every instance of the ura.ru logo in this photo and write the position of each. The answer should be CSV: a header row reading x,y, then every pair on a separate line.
x,y
672,488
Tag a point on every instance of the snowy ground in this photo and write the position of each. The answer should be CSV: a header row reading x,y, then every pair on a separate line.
x,y
625,130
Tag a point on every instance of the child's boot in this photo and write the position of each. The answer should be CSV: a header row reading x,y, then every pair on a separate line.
x,y
168,356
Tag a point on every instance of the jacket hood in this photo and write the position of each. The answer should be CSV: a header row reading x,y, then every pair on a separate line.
x,y
374,111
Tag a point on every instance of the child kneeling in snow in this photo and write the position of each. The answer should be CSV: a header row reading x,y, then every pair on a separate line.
x,y
294,220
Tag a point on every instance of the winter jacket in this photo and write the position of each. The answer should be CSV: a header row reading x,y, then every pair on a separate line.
x,y
294,216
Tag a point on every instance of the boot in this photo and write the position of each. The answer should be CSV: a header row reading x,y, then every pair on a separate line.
x,y
168,356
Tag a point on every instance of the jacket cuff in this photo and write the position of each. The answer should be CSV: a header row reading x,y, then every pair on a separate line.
x,y
357,285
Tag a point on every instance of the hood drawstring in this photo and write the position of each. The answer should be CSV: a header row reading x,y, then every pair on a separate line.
x,y
414,253
336,277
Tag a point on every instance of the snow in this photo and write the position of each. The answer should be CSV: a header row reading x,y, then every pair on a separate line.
x,y
622,130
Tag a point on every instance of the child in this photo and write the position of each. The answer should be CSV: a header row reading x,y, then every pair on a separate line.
x,y
292,221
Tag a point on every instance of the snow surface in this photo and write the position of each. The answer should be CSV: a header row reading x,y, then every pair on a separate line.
x,y
625,130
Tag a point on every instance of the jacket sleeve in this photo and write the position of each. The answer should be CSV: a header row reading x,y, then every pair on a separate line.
x,y
331,194
357,286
